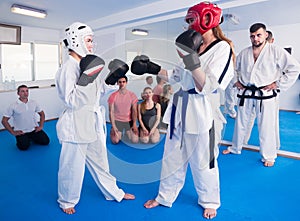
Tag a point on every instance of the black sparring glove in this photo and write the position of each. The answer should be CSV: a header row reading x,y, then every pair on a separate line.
x,y
117,70
90,67
189,41
141,64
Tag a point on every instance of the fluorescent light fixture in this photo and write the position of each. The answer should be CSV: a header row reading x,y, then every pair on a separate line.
x,y
25,10
139,32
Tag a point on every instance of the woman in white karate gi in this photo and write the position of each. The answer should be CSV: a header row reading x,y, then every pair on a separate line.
x,y
80,128
192,112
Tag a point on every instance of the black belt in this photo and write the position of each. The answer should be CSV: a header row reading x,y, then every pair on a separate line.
x,y
253,89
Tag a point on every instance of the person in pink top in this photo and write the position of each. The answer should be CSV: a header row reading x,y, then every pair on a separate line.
x,y
158,89
123,113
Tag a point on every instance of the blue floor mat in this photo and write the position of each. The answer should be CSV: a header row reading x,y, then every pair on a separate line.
x,y
249,191
289,124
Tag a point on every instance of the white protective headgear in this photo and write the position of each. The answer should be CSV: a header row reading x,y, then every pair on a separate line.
x,y
74,40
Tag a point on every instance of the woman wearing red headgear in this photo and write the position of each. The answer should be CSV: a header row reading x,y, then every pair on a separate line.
x,y
193,114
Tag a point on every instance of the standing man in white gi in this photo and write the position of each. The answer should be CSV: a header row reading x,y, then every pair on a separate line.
x,y
80,129
269,39
259,69
190,114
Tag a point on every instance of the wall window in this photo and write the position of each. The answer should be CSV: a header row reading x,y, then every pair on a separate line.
x,y
16,62
29,61
46,61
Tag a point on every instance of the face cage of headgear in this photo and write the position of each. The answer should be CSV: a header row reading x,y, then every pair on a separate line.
x,y
75,35
197,14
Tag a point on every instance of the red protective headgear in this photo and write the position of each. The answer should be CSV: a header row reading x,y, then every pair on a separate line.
x,y
197,15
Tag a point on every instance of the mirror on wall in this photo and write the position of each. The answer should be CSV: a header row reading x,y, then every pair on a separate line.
x,y
159,44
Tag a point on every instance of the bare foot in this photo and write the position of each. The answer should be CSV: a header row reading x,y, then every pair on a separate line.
x,y
268,164
226,151
69,210
151,204
209,213
128,196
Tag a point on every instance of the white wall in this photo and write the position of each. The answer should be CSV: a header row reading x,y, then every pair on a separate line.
x,y
36,35
40,35
111,43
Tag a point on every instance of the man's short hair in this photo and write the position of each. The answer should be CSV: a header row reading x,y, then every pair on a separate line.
x,y
21,86
126,79
257,26
158,79
270,35
148,77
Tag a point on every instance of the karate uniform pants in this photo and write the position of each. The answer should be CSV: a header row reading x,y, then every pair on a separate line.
x,y
230,99
267,121
219,120
193,149
252,120
73,158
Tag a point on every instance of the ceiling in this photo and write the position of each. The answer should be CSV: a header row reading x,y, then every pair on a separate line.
x,y
104,14
64,12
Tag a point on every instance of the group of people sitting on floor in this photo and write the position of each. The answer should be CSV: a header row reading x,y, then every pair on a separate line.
x,y
124,110
138,121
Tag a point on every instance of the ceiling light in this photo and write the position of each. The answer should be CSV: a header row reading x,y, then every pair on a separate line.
x,y
139,32
25,10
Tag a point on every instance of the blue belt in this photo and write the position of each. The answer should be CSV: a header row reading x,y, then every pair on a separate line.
x,y
185,99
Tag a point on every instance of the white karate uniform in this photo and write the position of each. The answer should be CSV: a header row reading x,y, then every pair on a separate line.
x,y
81,130
213,63
191,144
267,69
252,121
230,99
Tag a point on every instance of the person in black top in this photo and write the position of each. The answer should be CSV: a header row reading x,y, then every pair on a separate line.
x,y
164,101
149,114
